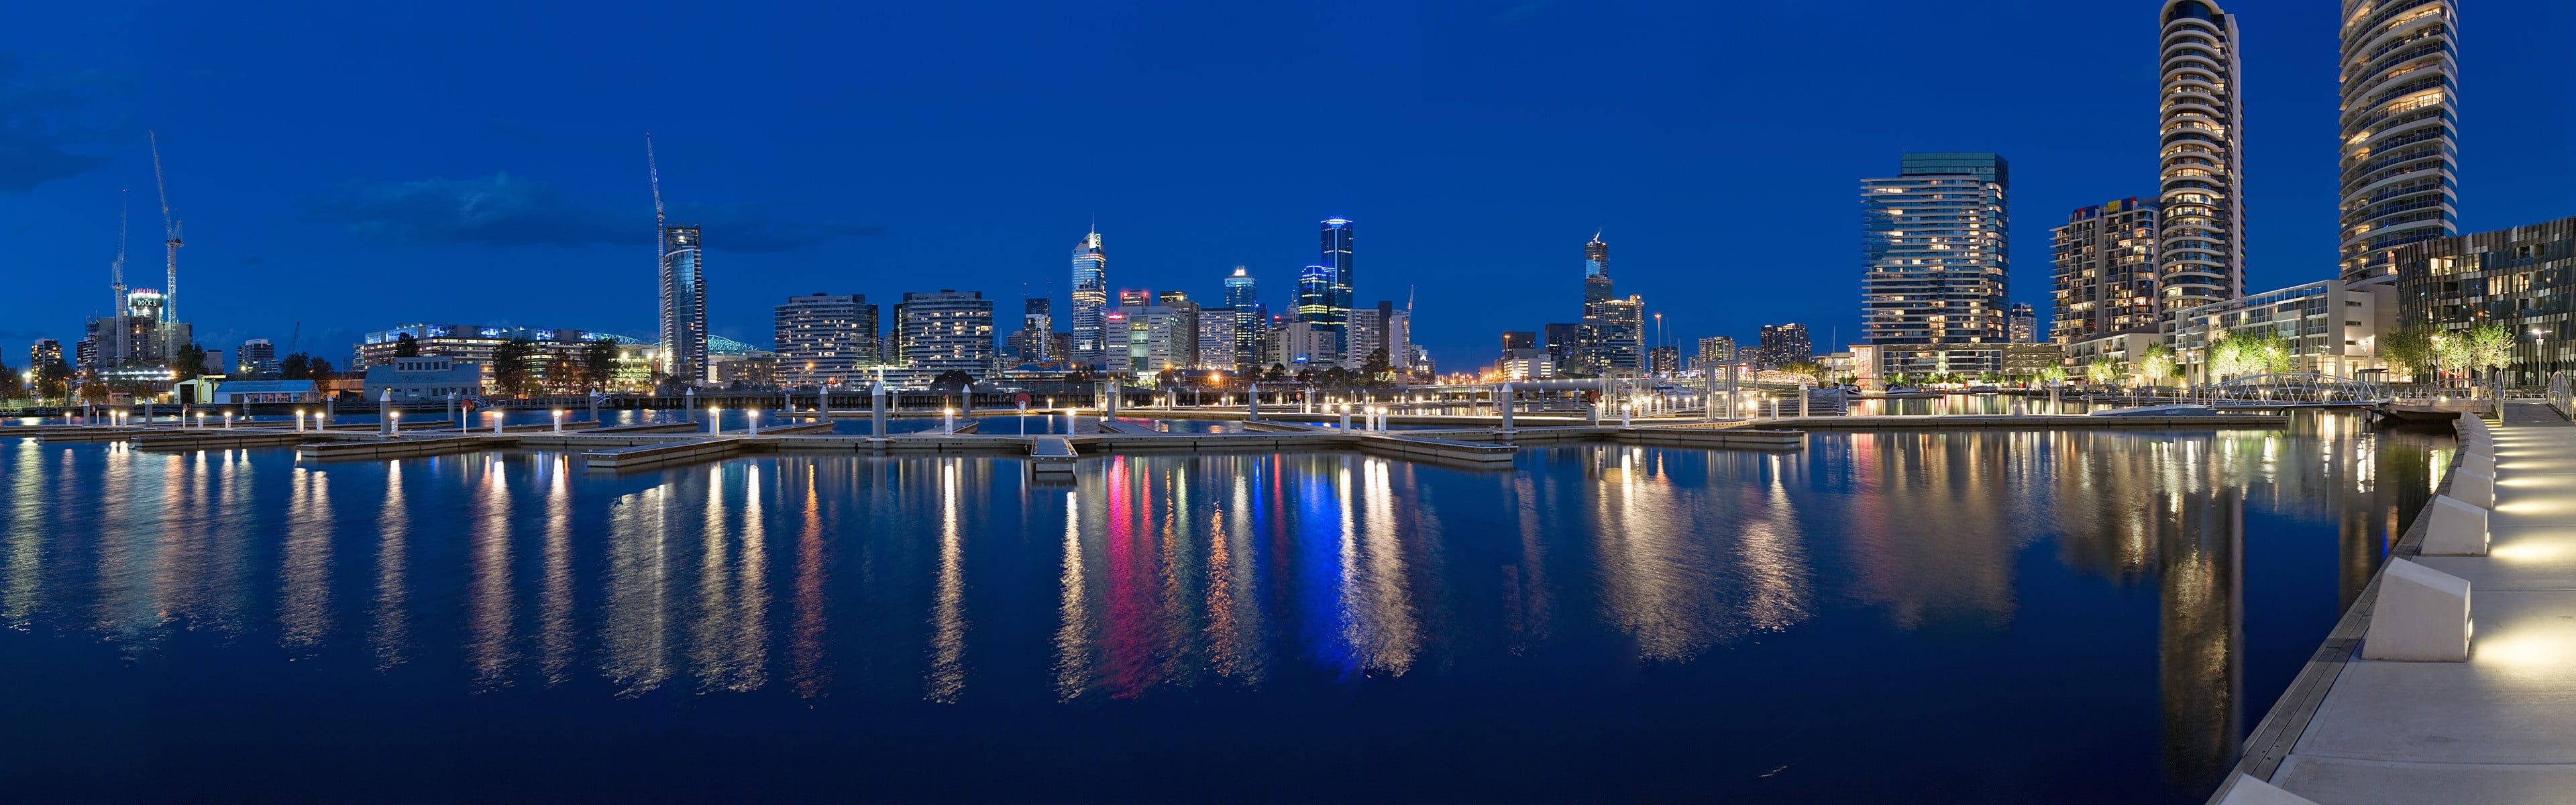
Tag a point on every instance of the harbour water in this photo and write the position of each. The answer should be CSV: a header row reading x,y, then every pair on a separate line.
x,y
2087,616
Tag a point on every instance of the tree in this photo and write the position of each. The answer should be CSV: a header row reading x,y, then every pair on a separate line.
x,y
2102,370
1375,366
599,363
2451,351
321,370
2235,354
952,381
2410,349
512,366
189,363
295,366
1275,373
2490,346
406,346
12,386
53,380
2156,364
2052,374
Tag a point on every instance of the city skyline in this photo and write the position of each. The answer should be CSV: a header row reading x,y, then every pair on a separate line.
x,y
254,242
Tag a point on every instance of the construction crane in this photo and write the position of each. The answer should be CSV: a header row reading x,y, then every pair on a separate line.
x,y
298,337
169,294
116,270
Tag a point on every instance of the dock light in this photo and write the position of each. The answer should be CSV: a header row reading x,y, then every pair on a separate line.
x,y
715,426
755,422
558,420
496,419
228,420
299,420
201,420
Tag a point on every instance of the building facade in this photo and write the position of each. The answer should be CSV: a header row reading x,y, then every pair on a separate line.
x,y
2105,271
1090,298
2023,323
2201,174
1035,342
1715,350
1935,289
256,357
1250,319
1783,344
2400,137
2523,278
1613,329
946,330
2328,326
684,306
825,339
424,377
45,352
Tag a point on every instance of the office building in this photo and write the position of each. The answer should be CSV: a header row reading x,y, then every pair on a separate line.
x,y
1784,344
944,331
1935,289
1370,329
1324,291
825,339
1519,339
2201,176
1250,319
1090,298
1664,361
2400,133
1184,347
1613,328
2523,278
256,358
2105,271
1216,331
684,306
1144,340
1714,350
1034,342
1300,345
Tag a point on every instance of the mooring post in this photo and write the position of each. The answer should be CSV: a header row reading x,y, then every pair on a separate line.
x,y
1507,407
1346,416
594,407
876,409
451,412
1254,397
385,414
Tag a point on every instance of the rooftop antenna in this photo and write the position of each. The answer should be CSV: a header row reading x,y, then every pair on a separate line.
x,y
170,291
116,270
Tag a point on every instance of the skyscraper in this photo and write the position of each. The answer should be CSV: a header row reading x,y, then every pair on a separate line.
x,y
2400,130
1612,328
825,339
1090,298
45,352
1935,286
256,357
1037,327
2024,323
1715,350
1337,253
1783,344
2105,271
2202,167
1250,321
684,306
1324,292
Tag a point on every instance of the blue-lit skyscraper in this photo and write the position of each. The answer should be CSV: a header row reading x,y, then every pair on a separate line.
x,y
1090,298
1324,289
1244,300
684,306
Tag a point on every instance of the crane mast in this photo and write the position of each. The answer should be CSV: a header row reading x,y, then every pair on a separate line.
x,y
116,270
169,294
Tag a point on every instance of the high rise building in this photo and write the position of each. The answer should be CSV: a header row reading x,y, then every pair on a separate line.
x,y
1618,327
2105,272
1935,286
1564,342
1337,253
684,306
1783,344
256,357
1035,342
1324,292
826,339
1369,334
1147,339
45,352
1715,350
1184,347
944,331
1250,321
2520,278
2400,133
1664,361
2202,166
1090,298
2024,323
1598,341
138,337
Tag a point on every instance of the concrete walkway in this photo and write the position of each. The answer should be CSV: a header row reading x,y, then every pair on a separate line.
x,y
2499,728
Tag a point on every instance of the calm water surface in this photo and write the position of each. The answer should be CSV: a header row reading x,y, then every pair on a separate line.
x,y
2081,616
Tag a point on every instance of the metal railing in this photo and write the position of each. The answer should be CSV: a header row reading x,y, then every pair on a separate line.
x,y
2559,395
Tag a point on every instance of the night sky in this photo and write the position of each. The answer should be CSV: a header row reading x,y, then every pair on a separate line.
x,y
355,167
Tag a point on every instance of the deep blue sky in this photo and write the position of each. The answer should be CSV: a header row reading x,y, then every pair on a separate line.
x,y
322,155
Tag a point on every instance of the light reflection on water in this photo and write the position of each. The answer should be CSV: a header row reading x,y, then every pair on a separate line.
x,y
1596,590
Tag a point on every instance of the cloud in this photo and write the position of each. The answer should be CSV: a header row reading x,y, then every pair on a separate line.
x,y
503,210
40,123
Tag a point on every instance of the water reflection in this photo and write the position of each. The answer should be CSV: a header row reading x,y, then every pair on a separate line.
x,y
1277,575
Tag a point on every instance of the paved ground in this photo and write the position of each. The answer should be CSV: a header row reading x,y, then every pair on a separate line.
x,y
2500,728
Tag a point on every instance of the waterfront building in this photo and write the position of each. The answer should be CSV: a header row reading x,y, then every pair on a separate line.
x,y
2201,167
946,330
2105,271
2523,278
1935,287
1090,297
423,377
1715,350
475,343
825,339
45,352
1784,344
748,367
684,306
238,392
2122,348
1250,320
1526,363
2023,323
2022,361
1664,361
256,357
2400,134
2329,327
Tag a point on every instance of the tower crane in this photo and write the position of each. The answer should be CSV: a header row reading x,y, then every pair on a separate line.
x,y
116,270
169,294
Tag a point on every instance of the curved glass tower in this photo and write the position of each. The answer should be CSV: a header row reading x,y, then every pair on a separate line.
x,y
2400,130
2201,159
1090,298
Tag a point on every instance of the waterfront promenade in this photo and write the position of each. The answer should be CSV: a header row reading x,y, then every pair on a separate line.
x,y
2499,727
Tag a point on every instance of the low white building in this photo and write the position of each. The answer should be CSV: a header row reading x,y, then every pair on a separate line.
x,y
427,377
238,392
2329,328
